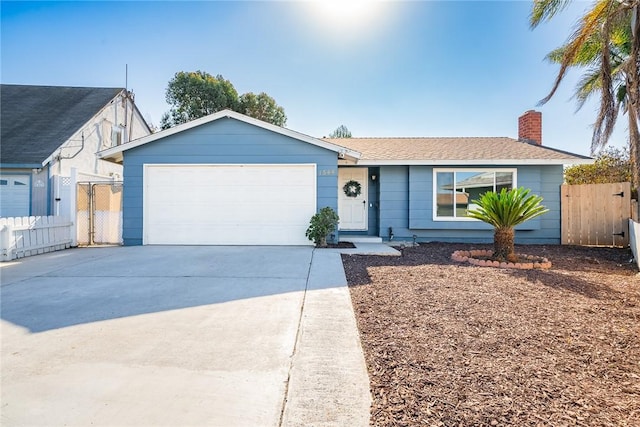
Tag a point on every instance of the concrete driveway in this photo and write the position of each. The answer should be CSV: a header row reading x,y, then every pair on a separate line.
x,y
222,336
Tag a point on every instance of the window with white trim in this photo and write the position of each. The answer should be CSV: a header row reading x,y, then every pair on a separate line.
x,y
455,189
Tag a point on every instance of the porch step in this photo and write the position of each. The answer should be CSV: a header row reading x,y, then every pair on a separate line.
x,y
361,239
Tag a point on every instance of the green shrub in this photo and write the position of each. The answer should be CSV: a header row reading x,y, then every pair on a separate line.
x,y
505,210
321,224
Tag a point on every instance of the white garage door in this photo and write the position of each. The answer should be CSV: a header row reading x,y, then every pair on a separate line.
x,y
228,204
14,195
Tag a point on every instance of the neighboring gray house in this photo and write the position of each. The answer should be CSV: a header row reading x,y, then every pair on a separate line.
x,y
230,179
49,130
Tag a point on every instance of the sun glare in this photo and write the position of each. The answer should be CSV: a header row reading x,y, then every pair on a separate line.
x,y
346,12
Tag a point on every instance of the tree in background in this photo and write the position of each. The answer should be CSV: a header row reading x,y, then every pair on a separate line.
x,y
340,132
192,95
262,107
598,43
196,94
611,165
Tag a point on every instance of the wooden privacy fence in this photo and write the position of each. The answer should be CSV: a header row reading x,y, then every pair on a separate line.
x,y
596,214
31,235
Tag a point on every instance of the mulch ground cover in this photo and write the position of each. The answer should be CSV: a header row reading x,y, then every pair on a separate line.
x,y
340,245
449,344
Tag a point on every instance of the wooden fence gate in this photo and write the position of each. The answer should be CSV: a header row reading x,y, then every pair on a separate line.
x,y
596,214
99,213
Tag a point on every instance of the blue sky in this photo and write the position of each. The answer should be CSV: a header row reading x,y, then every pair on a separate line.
x,y
422,68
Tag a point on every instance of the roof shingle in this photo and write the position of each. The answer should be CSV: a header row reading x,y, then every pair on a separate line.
x,y
477,150
36,120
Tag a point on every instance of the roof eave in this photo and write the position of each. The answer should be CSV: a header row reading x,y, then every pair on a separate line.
x,y
20,165
117,158
475,162
342,152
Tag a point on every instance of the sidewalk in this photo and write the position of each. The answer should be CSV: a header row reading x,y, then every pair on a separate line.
x,y
329,384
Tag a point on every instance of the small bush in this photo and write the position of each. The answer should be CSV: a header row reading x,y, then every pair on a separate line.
x,y
321,224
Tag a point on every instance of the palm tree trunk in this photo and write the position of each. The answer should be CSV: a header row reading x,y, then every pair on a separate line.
x,y
633,92
634,150
503,247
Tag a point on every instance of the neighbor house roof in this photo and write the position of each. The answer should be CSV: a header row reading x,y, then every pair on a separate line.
x,y
36,120
115,153
455,151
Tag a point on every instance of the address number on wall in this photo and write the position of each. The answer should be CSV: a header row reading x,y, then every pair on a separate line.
x,y
325,172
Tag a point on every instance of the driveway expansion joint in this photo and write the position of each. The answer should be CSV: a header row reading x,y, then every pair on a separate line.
x,y
295,344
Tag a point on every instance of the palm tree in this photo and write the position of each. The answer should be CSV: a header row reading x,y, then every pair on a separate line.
x,y
598,42
588,57
504,211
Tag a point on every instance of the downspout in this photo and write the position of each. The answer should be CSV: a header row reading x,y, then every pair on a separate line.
x,y
126,103
115,122
131,126
125,138
54,181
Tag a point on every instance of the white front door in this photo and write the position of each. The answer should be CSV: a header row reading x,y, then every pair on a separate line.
x,y
353,210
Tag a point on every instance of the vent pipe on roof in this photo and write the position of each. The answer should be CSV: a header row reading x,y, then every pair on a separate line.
x,y
530,127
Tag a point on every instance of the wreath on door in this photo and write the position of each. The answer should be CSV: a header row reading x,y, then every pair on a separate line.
x,y
352,188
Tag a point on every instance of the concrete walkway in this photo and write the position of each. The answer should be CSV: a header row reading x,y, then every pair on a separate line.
x,y
329,384
221,336
368,249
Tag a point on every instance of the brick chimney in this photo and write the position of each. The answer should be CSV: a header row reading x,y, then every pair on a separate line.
x,y
530,127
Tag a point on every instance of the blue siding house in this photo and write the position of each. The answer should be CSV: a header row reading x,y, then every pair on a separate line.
x,y
231,179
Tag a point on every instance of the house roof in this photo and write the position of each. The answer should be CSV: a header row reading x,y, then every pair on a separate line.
x,y
455,151
115,153
36,120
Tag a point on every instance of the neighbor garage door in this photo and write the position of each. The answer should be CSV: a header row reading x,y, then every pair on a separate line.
x,y
228,204
14,195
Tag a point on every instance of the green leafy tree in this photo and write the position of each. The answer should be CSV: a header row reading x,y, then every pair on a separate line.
x,y
611,165
340,132
321,224
196,94
192,95
505,210
262,107
603,35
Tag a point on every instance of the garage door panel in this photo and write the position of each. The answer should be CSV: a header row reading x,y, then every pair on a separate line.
x,y
14,195
201,210
229,235
200,216
229,204
246,197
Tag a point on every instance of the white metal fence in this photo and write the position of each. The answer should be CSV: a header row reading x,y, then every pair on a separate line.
x,y
31,235
634,240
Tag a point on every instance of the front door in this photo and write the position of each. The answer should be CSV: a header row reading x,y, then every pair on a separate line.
x,y
352,198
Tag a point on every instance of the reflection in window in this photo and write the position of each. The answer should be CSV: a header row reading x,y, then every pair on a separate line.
x,y
445,194
456,190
